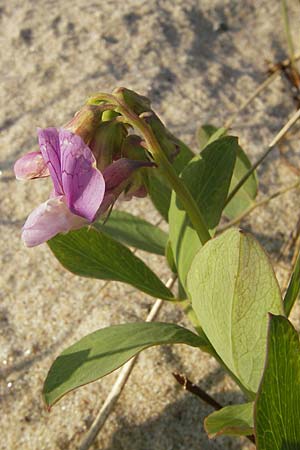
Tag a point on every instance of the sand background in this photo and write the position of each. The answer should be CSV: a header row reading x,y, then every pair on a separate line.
x,y
196,60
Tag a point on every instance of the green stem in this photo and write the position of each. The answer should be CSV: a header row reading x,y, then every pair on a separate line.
x,y
101,97
162,161
180,188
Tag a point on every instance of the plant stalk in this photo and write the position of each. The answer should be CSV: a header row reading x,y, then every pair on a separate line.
x,y
184,195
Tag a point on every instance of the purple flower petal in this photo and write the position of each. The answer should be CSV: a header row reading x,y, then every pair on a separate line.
x,y
49,146
49,219
108,200
140,192
117,176
82,183
31,165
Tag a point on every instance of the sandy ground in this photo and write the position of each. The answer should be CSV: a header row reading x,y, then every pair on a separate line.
x,y
197,60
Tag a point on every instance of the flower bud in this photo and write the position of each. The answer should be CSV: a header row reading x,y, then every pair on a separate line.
x,y
136,186
85,122
107,142
118,178
138,103
164,137
133,148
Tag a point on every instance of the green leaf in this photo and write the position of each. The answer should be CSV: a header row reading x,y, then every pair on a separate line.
x,y
185,154
105,350
236,420
90,253
232,287
158,187
133,231
220,132
170,258
159,192
204,133
277,408
246,195
208,134
293,288
208,178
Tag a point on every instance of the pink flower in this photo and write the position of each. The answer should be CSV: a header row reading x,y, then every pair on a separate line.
x,y
81,192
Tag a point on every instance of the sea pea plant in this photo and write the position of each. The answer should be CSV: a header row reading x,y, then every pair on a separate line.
x,y
116,145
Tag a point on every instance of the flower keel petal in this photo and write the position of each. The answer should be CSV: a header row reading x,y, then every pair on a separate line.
x,y
47,220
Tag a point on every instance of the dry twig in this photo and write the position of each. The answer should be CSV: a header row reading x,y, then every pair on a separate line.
x,y
271,147
262,202
196,390
274,71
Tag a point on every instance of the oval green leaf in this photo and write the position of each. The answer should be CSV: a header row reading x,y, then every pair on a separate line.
x,y
208,178
293,289
246,195
207,134
105,350
232,287
93,254
277,408
134,231
235,420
